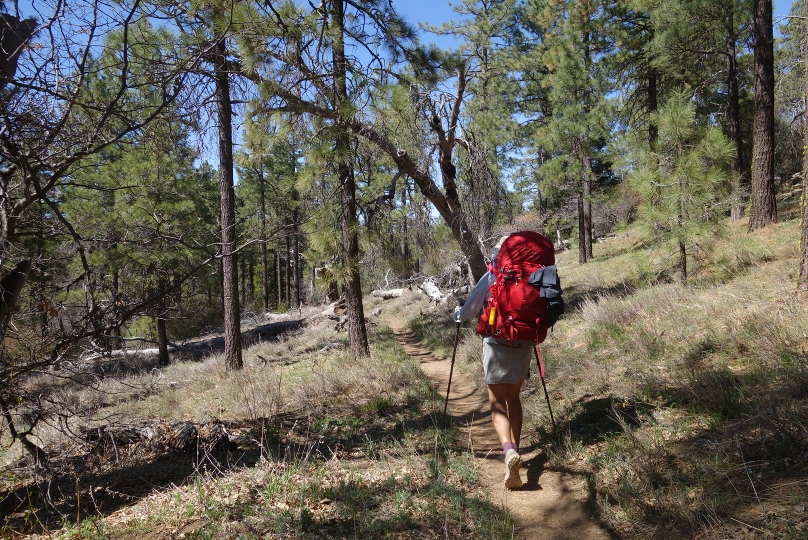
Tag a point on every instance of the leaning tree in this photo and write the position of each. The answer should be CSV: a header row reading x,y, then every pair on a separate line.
x,y
51,122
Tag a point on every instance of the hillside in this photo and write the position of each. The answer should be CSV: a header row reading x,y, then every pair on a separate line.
x,y
684,408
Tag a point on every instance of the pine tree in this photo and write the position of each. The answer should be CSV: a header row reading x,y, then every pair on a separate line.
x,y
271,205
692,43
574,129
145,217
789,97
684,180
763,209
634,67
213,28
488,128
224,124
715,30
49,131
802,283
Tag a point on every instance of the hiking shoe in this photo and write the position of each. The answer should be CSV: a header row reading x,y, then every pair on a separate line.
x,y
513,461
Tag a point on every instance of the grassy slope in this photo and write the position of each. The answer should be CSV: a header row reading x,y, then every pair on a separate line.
x,y
685,407
330,448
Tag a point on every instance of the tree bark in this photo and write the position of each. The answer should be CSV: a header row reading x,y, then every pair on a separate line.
x,y
581,240
287,270
14,35
587,208
298,261
802,283
734,118
278,277
251,278
583,148
682,263
584,204
763,210
10,289
163,358
243,276
357,333
232,312
264,258
653,105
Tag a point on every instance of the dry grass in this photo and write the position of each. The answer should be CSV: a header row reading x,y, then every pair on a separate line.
x,y
687,406
326,447
367,498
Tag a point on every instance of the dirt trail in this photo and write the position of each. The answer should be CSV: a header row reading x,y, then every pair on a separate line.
x,y
550,505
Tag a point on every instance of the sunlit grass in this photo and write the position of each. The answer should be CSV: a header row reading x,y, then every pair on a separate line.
x,y
686,407
348,449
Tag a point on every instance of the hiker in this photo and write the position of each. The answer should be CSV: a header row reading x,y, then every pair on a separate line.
x,y
506,353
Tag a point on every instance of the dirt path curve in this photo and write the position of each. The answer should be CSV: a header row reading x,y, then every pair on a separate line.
x,y
550,505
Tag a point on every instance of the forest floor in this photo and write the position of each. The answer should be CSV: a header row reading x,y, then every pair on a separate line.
x,y
550,504
682,414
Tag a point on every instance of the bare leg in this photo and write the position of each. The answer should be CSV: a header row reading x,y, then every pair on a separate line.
x,y
506,411
506,415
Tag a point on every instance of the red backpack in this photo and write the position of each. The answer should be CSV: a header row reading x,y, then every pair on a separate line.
x,y
526,285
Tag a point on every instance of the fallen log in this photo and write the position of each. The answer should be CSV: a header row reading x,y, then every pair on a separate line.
x,y
158,435
199,349
432,291
336,310
390,293
331,346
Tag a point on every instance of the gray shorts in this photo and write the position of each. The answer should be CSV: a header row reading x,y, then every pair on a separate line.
x,y
506,364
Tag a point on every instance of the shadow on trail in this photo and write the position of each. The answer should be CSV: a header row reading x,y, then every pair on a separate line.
x,y
600,418
408,339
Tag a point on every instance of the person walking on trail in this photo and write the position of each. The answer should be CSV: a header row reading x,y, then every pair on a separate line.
x,y
525,275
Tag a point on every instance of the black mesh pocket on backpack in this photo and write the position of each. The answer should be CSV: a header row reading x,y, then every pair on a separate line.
x,y
547,281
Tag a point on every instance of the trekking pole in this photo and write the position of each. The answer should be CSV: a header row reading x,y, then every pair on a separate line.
x,y
541,375
451,369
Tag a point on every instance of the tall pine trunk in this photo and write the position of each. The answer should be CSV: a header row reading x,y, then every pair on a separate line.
x,y
653,105
278,276
264,258
163,358
298,262
583,147
734,119
802,284
357,333
764,205
232,315
587,208
288,270
584,204
680,223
